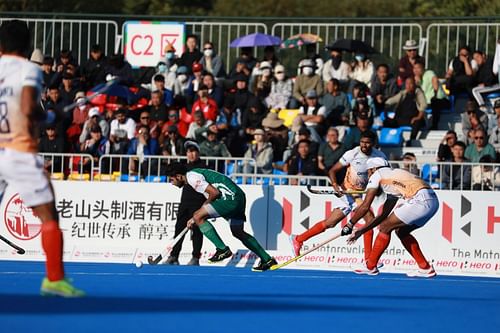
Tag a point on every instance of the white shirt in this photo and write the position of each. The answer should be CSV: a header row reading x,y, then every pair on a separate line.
x,y
129,127
341,74
15,127
309,112
356,176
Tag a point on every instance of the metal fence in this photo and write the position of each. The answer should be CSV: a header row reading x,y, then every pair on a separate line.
x,y
444,40
53,35
221,34
440,175
439,44
386,38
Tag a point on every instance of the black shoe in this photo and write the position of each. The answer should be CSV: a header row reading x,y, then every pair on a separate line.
x,y
172,261
264,266
221,255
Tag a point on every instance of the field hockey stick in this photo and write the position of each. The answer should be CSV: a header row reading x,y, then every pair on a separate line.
x,y
19,249
338,194
275,267
86,99
168,249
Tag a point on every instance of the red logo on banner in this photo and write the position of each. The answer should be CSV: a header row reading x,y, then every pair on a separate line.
x,y
20,219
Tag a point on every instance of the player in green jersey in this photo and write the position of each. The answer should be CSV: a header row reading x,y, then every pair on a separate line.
x,y
224,199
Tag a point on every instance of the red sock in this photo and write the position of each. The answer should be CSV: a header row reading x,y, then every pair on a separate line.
x,y
316,229
367,241
381,243
411,245
52,243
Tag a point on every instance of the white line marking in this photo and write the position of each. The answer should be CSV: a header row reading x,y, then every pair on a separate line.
x,y
273,276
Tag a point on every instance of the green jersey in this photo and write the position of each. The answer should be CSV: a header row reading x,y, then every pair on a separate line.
x,y
232,201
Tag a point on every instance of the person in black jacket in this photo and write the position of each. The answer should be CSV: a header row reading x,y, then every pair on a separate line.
x,y
191,201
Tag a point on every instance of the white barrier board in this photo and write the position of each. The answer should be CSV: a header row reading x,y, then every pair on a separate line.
x,y
124,222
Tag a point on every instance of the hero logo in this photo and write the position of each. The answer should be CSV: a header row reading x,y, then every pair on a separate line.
x,y
20,219
447,220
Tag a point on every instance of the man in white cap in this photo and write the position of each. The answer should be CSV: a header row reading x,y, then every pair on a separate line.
x,y
408,60
418,205
94,118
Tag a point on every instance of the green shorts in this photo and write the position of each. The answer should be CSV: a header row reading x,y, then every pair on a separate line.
x,y
231,208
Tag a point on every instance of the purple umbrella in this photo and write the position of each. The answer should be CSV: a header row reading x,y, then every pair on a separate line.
x,y
256,39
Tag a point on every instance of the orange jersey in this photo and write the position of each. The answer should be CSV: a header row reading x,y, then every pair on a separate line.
x,y
15,127
396,182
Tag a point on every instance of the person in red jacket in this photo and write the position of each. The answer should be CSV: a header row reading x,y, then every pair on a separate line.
x,y
205,104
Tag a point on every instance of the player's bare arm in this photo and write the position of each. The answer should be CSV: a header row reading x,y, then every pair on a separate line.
x,y
365,205
332,174
213,194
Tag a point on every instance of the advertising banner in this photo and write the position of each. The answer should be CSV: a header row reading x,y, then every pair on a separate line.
x,y
125,222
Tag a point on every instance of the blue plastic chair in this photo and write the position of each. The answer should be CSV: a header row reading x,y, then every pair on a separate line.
x,y
155,179
430,173
391,137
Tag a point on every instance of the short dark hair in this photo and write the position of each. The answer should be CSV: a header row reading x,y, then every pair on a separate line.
x,y
304,141
452,132
14,37
461,144
176,168
159,78
370,135
384,66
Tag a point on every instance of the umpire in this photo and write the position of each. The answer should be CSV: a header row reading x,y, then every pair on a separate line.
x,y
191,201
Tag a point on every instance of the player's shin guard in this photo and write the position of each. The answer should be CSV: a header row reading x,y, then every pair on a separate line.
x,y
381,243
209,231
316,229
411,245
52,243
367,242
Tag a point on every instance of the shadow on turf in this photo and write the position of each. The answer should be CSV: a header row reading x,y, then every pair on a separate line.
x,y
31,304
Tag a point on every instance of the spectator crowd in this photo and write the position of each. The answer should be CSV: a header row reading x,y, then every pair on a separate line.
x,y
237,113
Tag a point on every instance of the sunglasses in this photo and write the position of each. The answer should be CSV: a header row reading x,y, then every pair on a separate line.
x,y
479,137
144,117
207,48
172,116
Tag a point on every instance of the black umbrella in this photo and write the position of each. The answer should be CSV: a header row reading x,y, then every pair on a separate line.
x,y
351,45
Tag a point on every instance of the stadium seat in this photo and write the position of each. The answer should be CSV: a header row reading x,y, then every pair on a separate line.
x,y
280,181
103,177
430,173
288,115
391,137
229,168
57,176
155,179
129,178
79,176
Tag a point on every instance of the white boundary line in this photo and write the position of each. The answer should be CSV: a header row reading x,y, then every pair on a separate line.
x,y
440,278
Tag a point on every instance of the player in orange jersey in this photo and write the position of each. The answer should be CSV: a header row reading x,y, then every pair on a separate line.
x,y
356,179
21,168
418,205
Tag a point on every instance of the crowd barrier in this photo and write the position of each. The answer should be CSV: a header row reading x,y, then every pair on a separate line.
x,y
439,43
121,222
133,168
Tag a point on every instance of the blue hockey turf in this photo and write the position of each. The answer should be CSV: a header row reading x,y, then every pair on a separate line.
x,y
123,298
